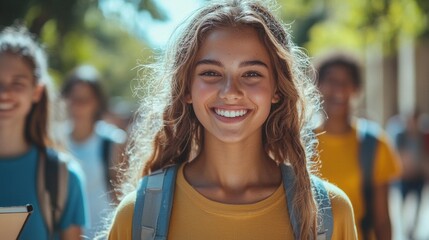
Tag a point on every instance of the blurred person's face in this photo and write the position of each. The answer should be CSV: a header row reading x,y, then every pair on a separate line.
x,y
82,103
337,89
18,89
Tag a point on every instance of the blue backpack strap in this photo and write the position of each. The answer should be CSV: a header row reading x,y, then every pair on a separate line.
x,y
368,139
325,218
137,215
154,201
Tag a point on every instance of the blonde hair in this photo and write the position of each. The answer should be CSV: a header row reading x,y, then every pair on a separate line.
x,y
167,131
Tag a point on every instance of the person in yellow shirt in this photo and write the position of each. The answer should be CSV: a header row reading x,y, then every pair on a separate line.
x,y
235,127
339,146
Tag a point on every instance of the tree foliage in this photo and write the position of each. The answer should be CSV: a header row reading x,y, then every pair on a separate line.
x,y
75,32
353,24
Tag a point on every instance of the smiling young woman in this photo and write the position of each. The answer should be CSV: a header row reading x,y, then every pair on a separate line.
x,y
234,129
25,141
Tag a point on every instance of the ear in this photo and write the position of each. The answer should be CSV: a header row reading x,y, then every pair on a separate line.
x,y
276,98
188,98
38,91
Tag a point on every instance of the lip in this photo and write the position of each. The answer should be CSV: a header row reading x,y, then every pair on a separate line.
x,y
237,109
6,107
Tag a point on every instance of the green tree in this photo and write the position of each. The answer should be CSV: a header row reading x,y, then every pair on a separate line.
x,y
353,24
76,32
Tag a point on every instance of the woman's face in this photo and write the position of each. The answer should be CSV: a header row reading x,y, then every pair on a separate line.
x,y
18,89
338,89
232,84
82,103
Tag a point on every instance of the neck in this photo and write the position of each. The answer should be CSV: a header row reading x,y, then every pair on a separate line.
x,y
337,125
233,167
12,140
82,130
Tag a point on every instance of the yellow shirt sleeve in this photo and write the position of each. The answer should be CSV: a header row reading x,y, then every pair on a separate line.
x,y
387,165
121,228
342,212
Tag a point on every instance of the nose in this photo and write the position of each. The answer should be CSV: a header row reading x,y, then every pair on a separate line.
x,y
342,91
231,90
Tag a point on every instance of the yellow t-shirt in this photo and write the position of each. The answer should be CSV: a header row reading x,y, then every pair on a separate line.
x,y
196,217
340,165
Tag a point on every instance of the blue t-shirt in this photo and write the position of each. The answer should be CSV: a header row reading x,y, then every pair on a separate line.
x,y
18,187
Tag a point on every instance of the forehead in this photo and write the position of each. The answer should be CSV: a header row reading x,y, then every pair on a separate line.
x,y
81,89
13,66
237,43
338,73
13,62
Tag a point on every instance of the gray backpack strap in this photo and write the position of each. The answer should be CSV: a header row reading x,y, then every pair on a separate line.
x,y
288,177
325,219
154,201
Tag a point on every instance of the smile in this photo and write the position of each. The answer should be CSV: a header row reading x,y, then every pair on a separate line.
x,y
6,106
230,113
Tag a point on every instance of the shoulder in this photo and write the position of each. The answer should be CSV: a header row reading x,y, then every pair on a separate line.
x,y
110,132
69,168
122,222
72,165
384,143
126,207
342,213
374,129
339,200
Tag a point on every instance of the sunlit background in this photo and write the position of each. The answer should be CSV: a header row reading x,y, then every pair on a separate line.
x,y
390,37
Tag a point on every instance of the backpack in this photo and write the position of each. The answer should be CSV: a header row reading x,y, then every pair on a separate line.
x,y
368,133
52,183
52,188
154,200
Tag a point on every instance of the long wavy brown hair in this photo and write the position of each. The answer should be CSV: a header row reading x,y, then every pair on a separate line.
x,y
168,132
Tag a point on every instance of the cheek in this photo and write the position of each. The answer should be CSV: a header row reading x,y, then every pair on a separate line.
x,y
201,91
261,95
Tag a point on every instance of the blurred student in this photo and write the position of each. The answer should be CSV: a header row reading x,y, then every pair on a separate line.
x,y
354,153
31,171
95,143
413,147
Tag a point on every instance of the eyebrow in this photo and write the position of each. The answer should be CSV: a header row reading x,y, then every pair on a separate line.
x,y
21,76
242,64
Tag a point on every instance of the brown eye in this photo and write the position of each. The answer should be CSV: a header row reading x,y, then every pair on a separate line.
x,y
252,74
209,74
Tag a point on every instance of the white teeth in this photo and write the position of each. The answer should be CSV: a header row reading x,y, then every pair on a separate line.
x,y
6,106
230,113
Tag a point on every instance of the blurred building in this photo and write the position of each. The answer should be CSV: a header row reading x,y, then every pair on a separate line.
x,y
396,84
